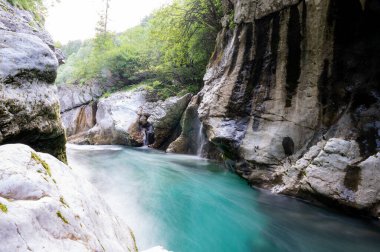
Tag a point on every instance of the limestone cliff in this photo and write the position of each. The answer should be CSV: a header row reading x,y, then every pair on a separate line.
x,y
29,106
287,75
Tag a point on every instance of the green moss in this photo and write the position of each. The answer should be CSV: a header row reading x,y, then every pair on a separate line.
x,y
62,200
39,160
106,95
134,240
3,208
231,21
301,174
59,214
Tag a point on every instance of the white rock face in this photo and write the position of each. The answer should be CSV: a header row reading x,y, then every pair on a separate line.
x,y
29,106
47,207
27,55
334,169
23,22
72,96
115,118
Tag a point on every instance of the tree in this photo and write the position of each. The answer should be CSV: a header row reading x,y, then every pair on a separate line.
x,y
168,51
185,32
102,24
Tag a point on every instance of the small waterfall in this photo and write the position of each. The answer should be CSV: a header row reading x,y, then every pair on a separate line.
x,y
145,137
148,135
201,140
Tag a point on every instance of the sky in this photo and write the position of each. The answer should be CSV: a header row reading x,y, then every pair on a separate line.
x,y
76,19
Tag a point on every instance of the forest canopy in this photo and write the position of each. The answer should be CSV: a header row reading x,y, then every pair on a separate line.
x,y
168,51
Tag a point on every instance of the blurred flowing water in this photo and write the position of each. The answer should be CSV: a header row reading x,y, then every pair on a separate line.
x,y
188,204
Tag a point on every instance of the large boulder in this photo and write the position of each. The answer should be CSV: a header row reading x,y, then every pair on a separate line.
x,y
40,212
29,106
334,170
164,117
117,119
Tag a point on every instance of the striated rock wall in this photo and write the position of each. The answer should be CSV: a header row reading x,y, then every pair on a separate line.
x,y
29,106
286,75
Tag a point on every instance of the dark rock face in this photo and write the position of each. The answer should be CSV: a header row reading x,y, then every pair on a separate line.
x,y
288,145
29,107
288,77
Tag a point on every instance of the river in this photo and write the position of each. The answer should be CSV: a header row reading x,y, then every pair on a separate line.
x,y
189,204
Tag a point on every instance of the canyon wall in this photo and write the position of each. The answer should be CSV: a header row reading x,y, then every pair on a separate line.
x,y
292,97
29,106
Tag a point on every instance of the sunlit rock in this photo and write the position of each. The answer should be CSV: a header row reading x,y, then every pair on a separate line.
x,y
46,206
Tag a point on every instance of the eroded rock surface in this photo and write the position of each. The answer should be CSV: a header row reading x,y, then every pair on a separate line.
x,y
286,75
46,206
132,118
72,97
29,106
334,170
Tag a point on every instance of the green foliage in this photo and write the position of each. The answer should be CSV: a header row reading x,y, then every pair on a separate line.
x,y
169,50
70,48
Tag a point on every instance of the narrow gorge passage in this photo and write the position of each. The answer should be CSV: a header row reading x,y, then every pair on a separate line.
x,y
190,125
188,204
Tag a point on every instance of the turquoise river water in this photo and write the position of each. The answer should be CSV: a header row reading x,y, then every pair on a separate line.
x,y
188,204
